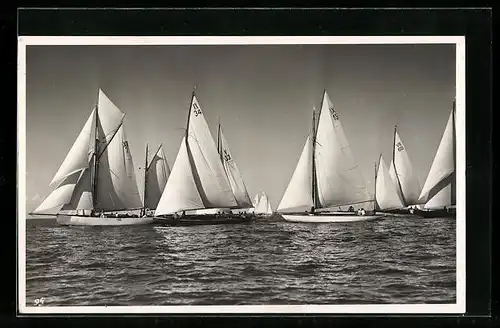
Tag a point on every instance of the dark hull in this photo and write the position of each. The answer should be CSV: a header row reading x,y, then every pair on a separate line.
x,y
435,214
397,211
193,220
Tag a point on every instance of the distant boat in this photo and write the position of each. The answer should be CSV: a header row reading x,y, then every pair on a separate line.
x,y
439,193
234,176
263,207
97,176
156,173
403,177
326,176
198,190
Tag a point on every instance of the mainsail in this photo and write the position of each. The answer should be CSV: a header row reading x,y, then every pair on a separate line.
x,y
385,190
326,174
438,189
157,172
339,178
198,179
98,172
234,176
402,173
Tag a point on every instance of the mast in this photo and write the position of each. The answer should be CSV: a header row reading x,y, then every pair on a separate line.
x,y
189,114
145,179
453,181
375,185
313,183
96,159
394,164
219,142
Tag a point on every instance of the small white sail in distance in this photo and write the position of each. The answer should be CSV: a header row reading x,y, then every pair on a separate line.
x,y
441,173
269,209
298,196
256,200
262,205
234,176
386,193
406,178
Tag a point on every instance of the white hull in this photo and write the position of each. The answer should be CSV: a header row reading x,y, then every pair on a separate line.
x,y
97,221
330,218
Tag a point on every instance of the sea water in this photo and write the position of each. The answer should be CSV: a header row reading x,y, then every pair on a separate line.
x,y
394,260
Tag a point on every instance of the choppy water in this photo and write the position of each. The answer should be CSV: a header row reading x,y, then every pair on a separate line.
x,y
395,260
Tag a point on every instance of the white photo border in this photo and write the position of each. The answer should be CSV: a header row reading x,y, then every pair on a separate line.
x,y
458,307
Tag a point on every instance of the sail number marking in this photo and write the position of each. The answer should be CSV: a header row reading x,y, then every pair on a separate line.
x,y
399,146
227,157
197,109
334,114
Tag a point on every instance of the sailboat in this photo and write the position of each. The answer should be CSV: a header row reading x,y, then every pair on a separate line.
x,y
403,177
198,190
438,193
156,174
386,194
326,176
263,207
97,175
234,176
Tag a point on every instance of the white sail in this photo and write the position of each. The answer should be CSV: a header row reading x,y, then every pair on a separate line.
x,y
180,191
269,209
78,156
385,190
117,186
60,196
298,196
157,176
213,187
339,179
234,176
110,118
256,200
82,194
410,187
262,205
443,166
441,199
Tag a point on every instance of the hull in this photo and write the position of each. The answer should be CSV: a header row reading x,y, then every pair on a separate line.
x,y
397,211
330,218
192,220
435,213
97,221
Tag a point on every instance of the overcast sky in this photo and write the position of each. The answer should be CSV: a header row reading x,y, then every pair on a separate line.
x,y
264,97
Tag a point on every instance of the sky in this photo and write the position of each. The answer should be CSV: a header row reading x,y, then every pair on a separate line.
x,y
263,96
